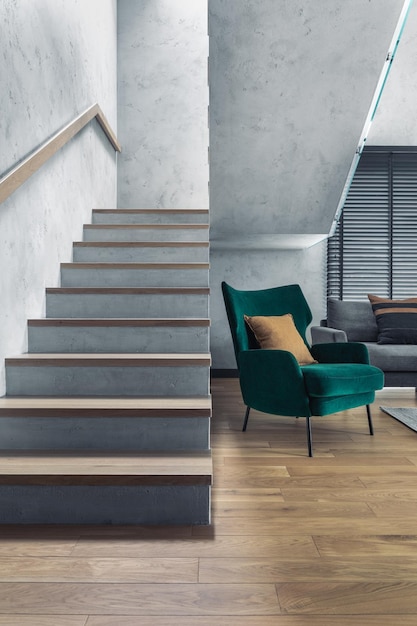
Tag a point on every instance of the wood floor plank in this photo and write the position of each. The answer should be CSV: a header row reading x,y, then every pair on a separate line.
x,y
350,495
296,510
270,570
138,599
43,620
296,546
26,546
387,509
229,620
356,470
283,525
349,598
109,570
343,546
349,460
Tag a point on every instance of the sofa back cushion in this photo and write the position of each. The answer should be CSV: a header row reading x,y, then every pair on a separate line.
x,y
356,318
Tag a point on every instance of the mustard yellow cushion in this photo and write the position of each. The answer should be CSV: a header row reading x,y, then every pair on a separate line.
x,y
278,332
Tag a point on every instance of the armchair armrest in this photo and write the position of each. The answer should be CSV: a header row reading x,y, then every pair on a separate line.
x,y
324,334
272,381
351,352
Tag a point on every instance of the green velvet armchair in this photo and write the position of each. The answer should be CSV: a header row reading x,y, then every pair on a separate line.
x,y
273,381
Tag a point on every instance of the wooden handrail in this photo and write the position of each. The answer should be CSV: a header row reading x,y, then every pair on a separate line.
x,y
24,169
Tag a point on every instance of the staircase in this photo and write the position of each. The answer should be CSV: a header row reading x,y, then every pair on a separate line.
x,y
106,419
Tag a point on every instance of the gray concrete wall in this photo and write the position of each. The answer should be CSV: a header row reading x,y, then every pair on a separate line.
x,y
291,84
57,57
395,122
163,100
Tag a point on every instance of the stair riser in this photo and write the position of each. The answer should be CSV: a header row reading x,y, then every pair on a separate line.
x,y
75,277
149,218
117,339
105,433
107,381
171,504
131,305
145,234
140,254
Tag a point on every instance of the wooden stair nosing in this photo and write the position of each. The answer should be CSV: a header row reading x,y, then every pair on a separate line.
x,y
47,406
184,291
135,266
120,322
105,469
109,360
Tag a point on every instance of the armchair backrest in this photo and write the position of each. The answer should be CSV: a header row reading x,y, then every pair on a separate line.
x,y
273,301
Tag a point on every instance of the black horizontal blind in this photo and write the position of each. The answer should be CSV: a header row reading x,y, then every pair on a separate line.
x,y
374,249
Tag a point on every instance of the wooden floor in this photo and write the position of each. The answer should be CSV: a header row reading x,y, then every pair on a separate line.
x,y
328,541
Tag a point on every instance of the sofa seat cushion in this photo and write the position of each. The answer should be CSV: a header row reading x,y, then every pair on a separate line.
x,y
341,379
393,358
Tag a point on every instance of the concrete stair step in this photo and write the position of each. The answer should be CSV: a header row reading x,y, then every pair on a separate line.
x,y
113,423
127,302
107,418
141,251
149,216
145,232
134,274
65,487
118,335
103,374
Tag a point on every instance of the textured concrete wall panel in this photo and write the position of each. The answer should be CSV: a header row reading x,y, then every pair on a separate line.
x,y
291,84
57,57
163,100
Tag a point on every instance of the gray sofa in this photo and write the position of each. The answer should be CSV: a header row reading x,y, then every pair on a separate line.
x,y
355,321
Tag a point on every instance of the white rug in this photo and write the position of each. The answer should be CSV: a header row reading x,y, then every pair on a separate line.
x,y
406,416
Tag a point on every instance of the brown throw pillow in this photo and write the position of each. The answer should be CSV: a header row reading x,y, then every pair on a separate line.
x,y
396,319
278,332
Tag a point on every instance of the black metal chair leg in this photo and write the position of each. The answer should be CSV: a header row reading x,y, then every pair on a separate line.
x,y
368,411
245,423
309,441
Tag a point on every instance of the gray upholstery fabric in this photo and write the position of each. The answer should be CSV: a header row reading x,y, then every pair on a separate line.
x,y
356,318
322,334
393,358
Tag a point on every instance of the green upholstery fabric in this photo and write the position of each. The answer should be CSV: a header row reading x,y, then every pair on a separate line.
x,y
340,379
340,353
326,406
274,301
272,381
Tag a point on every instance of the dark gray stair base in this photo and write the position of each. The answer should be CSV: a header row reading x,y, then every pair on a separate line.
x,y
125,303
89,304
107,381
149,216
74,276
117,339
120,233
86,252
80,504
105,433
